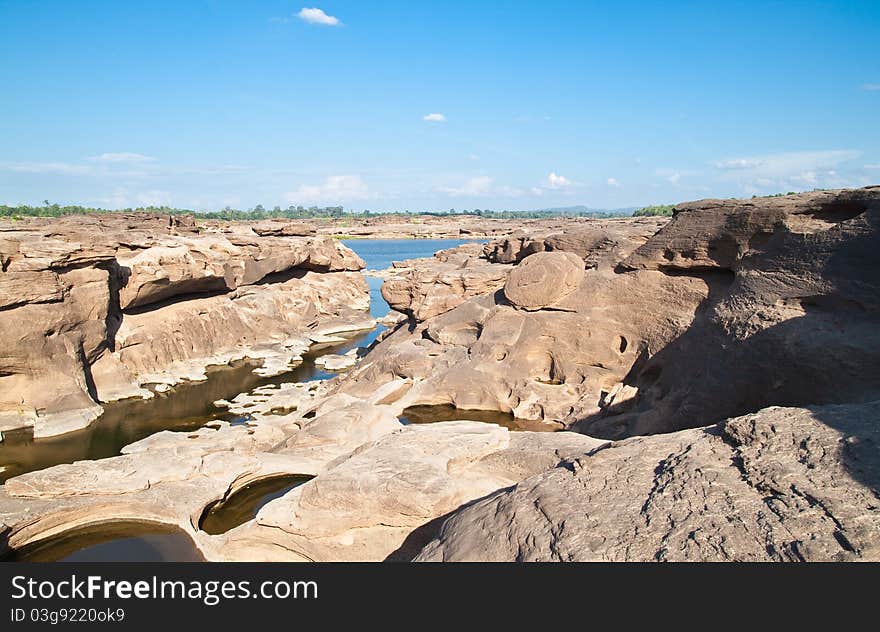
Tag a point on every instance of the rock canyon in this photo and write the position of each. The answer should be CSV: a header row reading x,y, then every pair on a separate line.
x,y
702,388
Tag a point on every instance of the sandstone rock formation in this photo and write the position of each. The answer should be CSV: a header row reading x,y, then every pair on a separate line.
x,y
427,291
691,336
793,318
594,241
547,365
544,279
96,308
732,306
782,484
380,494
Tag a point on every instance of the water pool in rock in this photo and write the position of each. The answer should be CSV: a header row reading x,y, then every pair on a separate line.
x,y
112,542
379,254
444,412
190,405
243,505
186,407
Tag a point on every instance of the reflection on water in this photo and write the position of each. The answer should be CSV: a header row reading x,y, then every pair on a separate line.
x,y
445,412
380,253
186,407
113,542
244,504
190,405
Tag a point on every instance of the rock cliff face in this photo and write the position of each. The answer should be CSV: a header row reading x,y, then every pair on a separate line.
x,y
550,339
733,306
794,317
93,309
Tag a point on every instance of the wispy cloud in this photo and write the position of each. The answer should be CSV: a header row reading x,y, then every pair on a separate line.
x,y
872,166
789,170
317,16
62,168
673,176
333,190
613,182
789,163
871,87
475,187
434,117
124,156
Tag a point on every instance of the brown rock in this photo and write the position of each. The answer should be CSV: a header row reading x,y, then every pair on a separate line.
x,y
543,279
784,484
283,228
93,307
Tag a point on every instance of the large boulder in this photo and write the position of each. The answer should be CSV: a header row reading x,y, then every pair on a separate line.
x,y
430,290
543,279
718,234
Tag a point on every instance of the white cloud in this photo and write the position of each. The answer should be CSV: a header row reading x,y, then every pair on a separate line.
x,y
790,170
153,198
121,157
317,16
473,157
877,166
555,181
62,168
871,86
122,197
789,163
738,163
613,182
673,176
333,190
475,187
434,117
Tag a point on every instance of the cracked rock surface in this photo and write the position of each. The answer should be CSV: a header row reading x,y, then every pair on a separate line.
x,y
782,484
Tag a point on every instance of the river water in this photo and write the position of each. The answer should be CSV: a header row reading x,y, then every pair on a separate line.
x,y
190,405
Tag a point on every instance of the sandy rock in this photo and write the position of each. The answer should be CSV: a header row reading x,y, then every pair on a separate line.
x,y
97,307
431,290
380,500
597,242
711,234
337,362
543,279
283,228
783,484
793,316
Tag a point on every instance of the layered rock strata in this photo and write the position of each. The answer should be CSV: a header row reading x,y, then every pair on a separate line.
x,y
94,309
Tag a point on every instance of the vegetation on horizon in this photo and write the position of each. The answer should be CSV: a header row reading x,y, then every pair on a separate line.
x,y
291,212
651,211
327,212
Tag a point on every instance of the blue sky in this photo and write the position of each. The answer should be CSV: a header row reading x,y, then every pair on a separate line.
x,y
434,105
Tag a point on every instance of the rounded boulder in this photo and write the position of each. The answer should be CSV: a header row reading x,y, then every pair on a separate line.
x,y
543,279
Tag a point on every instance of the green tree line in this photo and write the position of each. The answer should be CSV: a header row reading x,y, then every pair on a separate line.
x,y
259,212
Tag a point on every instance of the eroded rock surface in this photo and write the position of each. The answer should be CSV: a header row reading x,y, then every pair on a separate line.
x,y
732,309
96,308
544,279
783,484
